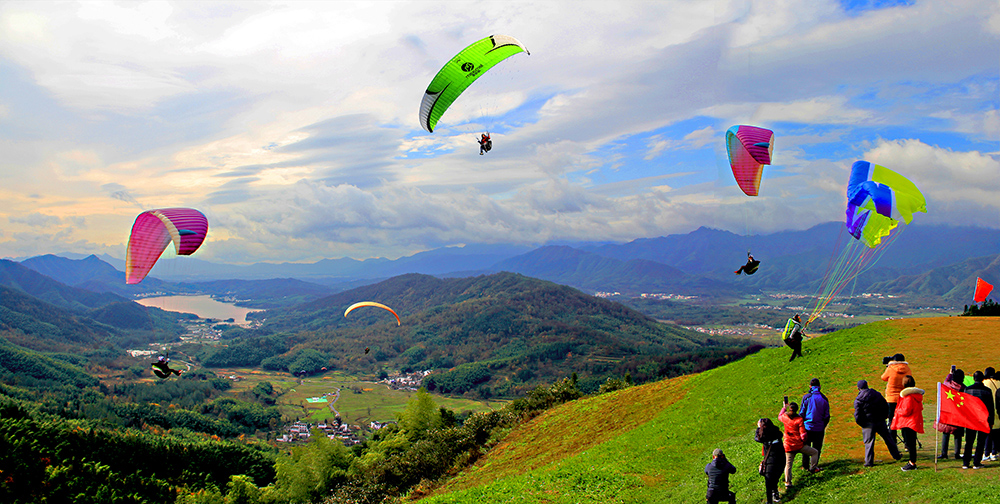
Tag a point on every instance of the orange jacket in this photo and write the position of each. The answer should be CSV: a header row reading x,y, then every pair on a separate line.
x,y
795,431
894,374
910,410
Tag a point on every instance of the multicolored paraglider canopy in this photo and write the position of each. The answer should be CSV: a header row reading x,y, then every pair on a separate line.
x,y
154,230
877,198
461,71
983,289
749,150
375,305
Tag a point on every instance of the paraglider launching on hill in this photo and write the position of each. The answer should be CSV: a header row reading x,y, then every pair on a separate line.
x,y
154,230
983,289
877,200
461,71
749,149
374,305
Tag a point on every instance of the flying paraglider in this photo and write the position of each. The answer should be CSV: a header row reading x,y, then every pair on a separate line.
x,y
154,230
461,71
749,149
750,267
375,305
161,368
485,143
983,289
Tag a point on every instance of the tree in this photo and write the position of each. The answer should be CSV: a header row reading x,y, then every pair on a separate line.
x,y
421,415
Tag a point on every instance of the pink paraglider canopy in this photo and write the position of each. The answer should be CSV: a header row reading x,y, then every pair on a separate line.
x,y
154,230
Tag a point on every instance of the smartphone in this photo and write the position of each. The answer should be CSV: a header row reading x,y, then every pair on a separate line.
x,y
952,368
786,399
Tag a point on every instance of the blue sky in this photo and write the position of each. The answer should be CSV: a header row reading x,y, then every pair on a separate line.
x,y
293,125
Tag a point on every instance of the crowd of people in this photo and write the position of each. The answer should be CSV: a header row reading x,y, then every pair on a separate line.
x,y
897,414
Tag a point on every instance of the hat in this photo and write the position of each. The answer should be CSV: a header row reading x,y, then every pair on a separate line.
x,y
862,384
717,452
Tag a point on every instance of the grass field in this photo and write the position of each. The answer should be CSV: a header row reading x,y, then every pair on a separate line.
x,y
649,444
360,401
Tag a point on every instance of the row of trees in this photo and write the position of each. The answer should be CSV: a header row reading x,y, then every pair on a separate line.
x,y
988,308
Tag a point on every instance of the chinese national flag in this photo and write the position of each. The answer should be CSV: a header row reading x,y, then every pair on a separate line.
x,y
982,290
962,410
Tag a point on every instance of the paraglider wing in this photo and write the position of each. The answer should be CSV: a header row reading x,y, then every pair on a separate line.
x,y
749,149
154,230
983,289
461,71
373,304
877,198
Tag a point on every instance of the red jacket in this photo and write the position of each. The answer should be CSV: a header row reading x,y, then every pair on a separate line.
x,y
910,410
894,375
795,431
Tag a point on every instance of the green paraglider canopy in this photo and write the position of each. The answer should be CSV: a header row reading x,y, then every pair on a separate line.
x,y
461,71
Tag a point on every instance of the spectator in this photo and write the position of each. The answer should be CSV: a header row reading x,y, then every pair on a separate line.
x,y
795,434
993,441
718,471
979,438
870,411
815,411
909,418
953,381
895,372
769,435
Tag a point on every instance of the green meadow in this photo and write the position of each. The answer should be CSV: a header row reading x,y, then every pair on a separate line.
x,y
650,444
360,402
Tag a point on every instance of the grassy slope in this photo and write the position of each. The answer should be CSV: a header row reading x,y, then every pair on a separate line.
x,y
651,443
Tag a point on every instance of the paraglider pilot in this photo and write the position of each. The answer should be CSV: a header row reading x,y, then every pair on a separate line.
x,y
750,267
161,368
485,143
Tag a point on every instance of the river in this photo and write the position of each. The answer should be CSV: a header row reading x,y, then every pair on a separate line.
x,y
203,306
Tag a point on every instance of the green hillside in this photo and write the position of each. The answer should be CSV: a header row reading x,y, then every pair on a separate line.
x,y
649,444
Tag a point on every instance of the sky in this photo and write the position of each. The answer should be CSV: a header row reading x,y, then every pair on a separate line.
x,y
293,126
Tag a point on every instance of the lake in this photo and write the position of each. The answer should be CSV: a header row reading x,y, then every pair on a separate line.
x,y
202,306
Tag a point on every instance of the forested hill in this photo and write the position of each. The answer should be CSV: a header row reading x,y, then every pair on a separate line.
x,y
496,334
18,276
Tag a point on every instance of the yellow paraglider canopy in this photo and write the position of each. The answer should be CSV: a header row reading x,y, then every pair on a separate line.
x,y
374,304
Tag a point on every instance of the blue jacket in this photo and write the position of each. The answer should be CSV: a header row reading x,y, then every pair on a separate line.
x,y
815,410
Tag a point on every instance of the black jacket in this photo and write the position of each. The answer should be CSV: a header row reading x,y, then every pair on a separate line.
x,y
870,407
774,457
718,472
984,394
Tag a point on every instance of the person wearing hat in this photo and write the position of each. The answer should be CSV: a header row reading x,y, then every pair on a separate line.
x,y
718,471
893,376
870,412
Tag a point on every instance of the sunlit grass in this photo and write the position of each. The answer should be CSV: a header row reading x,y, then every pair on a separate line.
x,y
650,444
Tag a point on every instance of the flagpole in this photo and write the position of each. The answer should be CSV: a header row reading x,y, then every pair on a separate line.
x,y
937,421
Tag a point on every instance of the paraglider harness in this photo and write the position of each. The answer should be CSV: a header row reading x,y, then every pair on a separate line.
x,y
161,368
750,267
485,143
791,332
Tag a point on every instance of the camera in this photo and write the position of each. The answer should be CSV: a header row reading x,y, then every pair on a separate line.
x,y
886,361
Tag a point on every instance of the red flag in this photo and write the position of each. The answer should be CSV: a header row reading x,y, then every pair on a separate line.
x,y
962,410
982,290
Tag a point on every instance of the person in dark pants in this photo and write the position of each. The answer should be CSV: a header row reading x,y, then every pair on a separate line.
x,y
896,370
979,438
793,336
718,471
870,412
769,435
815,411
954,381
909,418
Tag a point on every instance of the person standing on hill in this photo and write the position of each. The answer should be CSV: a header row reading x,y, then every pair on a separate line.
x,y
953,381
773,450
993,441
792,336
870,412
795,434
896,369
718,471
979,438
909,418
815,411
